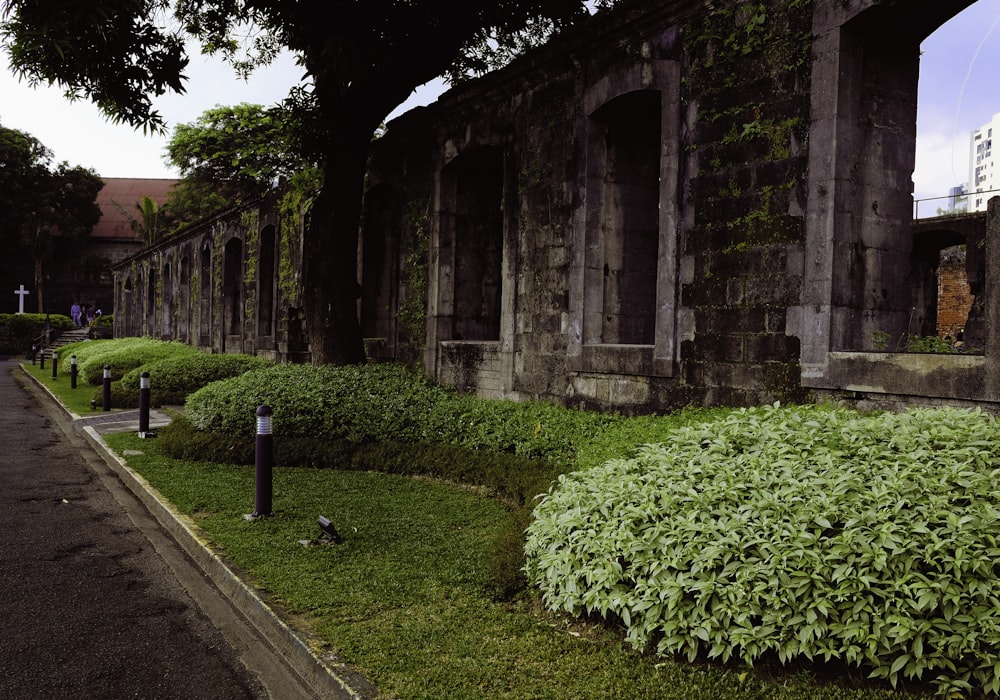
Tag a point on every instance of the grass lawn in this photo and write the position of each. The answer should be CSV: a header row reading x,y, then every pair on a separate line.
x,y
405,597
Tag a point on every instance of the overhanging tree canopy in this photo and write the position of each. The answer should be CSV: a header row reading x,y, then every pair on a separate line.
x,y
362,58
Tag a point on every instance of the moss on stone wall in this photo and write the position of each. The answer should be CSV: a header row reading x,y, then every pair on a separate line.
x,y
747,78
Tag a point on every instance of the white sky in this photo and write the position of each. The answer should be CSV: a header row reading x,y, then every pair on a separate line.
x,y
959,92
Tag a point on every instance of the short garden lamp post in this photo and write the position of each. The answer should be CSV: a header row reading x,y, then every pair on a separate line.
x,y
263,465
73,370
106,393
144,405
55,365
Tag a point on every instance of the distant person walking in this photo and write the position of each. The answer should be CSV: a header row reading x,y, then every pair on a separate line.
x,y
75,312
91,315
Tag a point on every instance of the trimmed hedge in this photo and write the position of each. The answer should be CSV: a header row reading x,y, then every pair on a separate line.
x,y
173,379
19,331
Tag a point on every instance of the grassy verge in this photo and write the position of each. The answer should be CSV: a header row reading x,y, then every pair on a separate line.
x,y
403,598
76,400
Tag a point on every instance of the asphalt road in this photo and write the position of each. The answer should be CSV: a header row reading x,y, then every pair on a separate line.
x,y
96,599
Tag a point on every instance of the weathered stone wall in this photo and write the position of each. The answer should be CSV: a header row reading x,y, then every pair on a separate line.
x,y
229,284
679,203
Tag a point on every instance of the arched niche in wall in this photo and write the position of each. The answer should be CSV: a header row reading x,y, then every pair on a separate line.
x,y
471,243
379,265
861,160
205,295
167,305
266,282
128,304
623,276
232,295
184,296
151,301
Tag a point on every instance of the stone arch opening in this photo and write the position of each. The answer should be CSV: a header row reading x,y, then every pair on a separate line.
x,y
472,223
184,312
232,294
127,307
167,307
266,282
151,304
205,278
379,265
624,165
623,277
862,153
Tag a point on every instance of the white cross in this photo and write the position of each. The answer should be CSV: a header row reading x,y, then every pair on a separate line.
x,y
20,298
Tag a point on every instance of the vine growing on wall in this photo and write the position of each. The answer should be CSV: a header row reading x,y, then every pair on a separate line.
x,y
412,312
250,223
294,202
734,44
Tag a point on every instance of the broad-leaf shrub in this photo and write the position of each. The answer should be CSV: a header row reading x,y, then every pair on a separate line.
x,y
793,533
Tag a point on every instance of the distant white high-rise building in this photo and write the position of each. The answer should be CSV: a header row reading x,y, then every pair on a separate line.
x,y
983,172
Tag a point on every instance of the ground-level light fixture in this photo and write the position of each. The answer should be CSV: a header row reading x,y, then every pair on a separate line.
x,y
329,531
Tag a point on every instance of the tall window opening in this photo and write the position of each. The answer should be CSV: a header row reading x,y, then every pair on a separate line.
x,y
860,225
265,283
379,269
205,296
626,161
232,287
184,312
151,305
128,307
473,183
166,326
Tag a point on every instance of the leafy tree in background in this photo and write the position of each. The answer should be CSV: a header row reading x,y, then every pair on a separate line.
x,y
231,156
361,58
42,205
151,221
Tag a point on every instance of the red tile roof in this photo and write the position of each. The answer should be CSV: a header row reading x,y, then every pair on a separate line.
x,y
122,193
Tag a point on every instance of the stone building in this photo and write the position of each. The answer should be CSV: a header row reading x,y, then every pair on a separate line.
x,y
82,272
682,202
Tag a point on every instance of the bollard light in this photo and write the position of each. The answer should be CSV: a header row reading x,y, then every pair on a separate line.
x,y
55,364
144,406
263,465
73,370
106,394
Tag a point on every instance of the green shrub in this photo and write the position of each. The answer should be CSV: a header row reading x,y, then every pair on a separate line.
x,y
357,403
172,379
125,354
19,331
793,533
181,441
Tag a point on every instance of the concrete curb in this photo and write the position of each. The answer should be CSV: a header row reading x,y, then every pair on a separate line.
x,y
329,678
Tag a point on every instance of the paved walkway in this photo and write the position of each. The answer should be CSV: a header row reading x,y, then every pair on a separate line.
x,y
107,593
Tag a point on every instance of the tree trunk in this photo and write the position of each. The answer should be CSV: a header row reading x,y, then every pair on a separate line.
x,y
330,253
